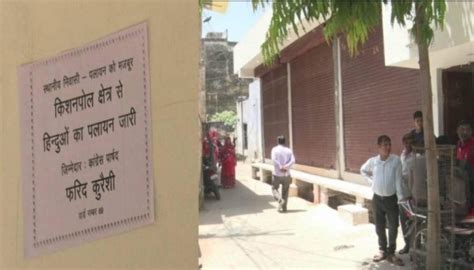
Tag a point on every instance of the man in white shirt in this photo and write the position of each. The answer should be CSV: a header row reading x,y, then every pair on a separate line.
x,y
384,173
283,159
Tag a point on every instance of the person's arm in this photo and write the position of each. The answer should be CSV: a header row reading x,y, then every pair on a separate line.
x,y
275,161
411,175
290,163
406,171
402,188
366,171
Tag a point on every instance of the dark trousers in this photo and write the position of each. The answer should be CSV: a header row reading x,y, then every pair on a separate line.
x,y
386,208
285,182
405,224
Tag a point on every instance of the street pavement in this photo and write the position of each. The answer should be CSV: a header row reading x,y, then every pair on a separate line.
x,y
244,231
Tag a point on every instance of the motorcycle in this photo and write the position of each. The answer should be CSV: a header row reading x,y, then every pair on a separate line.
x,y
210,179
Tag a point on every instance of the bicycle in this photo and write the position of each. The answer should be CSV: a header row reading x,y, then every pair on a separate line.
x,y
418,230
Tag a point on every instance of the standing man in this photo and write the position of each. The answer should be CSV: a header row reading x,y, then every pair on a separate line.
x,y
283,159
407,158
418,131
465,154
384,173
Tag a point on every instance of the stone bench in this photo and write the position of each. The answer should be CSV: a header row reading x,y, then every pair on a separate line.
x,y
262,171
323,189
353,214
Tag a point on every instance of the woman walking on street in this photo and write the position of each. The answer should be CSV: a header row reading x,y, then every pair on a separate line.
x,y
228,161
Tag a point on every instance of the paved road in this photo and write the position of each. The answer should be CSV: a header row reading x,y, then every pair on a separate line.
x,y
244,231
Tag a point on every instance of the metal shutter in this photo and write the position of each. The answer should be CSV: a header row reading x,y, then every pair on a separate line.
x,y
313,108
376,100
275,106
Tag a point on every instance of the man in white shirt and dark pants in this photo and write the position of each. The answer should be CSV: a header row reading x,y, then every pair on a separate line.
x,y
384,173
283,159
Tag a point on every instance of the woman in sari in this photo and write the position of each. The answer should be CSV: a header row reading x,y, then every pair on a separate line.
x,y
228,161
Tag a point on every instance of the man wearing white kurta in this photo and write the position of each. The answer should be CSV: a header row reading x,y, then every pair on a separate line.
x,y
283,159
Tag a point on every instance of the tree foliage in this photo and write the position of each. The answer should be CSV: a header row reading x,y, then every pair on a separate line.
x,y
228,117
353,18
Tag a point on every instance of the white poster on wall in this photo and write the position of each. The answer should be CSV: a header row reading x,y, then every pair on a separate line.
x,y
86,148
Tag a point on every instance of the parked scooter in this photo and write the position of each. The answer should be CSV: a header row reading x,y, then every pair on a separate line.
x,y
210,179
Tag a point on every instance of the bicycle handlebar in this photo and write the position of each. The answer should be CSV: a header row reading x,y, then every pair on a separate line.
x,y
406,205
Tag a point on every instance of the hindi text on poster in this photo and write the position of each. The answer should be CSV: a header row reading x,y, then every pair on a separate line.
x,y
86,142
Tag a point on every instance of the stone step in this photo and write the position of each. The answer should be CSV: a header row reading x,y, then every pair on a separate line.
x,y
353,214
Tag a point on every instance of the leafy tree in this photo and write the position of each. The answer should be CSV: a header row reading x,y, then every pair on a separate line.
x,y
355,19
228,117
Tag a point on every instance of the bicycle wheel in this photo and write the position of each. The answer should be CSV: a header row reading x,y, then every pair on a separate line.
x,y
420,244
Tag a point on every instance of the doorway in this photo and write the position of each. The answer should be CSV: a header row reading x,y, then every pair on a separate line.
x,y
458,93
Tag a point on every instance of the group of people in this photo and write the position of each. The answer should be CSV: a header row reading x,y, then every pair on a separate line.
x,y
391,179
389,176
222,154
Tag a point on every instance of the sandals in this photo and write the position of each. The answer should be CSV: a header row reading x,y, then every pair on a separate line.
x,y
390,258
395,260
404,250
379,257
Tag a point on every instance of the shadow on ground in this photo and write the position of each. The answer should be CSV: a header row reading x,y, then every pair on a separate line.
x,y
234,202
245,223
239,200
235,235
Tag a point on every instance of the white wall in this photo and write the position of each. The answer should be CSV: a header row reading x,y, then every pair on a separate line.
x,y
452,46
251,116
248,49
32,30
247,53
238,128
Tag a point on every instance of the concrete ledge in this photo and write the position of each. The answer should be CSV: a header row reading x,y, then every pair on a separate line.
x,y
261,166
293,191
323,187
353,214
262,173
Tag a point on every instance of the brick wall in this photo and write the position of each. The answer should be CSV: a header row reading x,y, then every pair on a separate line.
x,y
377,100
313,111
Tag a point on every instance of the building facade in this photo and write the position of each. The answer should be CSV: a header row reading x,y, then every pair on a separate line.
x,y
333,106
248,128
221,86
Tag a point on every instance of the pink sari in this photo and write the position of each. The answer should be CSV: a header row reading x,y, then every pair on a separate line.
x,y
228,161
